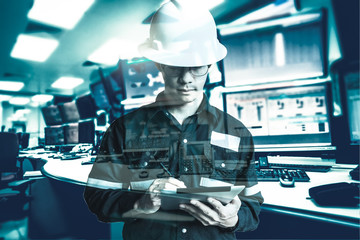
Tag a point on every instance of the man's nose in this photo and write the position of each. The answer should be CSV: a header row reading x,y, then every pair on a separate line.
x,y
186,76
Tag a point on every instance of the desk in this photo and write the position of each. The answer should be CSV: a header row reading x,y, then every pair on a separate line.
x,y
294,200
70,171
285,201
58,209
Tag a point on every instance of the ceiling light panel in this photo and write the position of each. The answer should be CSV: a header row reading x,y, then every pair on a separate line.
x,y
33,48
113,50
4,97
42,98
59,13
11,86
19,101
67,83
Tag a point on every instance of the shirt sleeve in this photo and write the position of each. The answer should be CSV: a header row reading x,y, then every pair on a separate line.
x,y
106,192
251,198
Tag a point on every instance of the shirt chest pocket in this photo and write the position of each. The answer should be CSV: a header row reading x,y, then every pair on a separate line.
x,y
196,158
226,164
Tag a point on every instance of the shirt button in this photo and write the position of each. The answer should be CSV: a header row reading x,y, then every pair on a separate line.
x,y
185,140
184,230
223,165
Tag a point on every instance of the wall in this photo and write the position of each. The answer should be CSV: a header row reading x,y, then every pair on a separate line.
x,y
34,121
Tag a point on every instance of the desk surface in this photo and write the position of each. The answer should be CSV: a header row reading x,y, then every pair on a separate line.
x,y
277,198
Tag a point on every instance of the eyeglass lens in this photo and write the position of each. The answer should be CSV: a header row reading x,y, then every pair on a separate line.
x,y
175,71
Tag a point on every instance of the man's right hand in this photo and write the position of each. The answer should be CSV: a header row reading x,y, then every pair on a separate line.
x,y
151,202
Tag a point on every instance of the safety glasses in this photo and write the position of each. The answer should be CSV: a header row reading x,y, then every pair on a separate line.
x,y
177,71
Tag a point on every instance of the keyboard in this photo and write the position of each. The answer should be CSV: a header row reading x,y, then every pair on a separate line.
x,y
273,174
309,168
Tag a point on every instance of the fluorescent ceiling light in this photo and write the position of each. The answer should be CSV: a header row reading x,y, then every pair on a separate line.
x,y
22,112
34,104
11,86
67,83
268,11
4,97
286,21
33,48
59,13
41,98
19,100
113,50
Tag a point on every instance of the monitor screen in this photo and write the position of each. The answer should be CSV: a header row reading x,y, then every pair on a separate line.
x,y
54,136
142,79
353,105
275,50
51,115
69,112
283,117
99,94
87,132
86,107
114,87
71,133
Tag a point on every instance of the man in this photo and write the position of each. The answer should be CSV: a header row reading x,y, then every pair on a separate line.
x,y
179,141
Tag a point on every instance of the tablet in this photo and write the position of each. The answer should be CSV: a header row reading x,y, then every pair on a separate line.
x,y
171,199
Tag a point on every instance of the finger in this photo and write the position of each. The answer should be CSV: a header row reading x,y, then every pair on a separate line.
x,y
217,205
223,212
176,182
236,203
193,211
157,202
164,183
230,210
155,184
169,186
207,211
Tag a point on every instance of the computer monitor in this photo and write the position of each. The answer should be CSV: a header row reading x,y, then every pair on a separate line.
x,y
86,107
69,112
51,115
54,135
142,79
352,91
87,132
276,50
71,133
288,118
114,86
99,94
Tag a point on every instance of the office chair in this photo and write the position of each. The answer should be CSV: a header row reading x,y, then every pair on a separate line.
x,y
13,194
23,139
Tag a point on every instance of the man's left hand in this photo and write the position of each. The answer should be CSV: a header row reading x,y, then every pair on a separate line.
x,y
217,215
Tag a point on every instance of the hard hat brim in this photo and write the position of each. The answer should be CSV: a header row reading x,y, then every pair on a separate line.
x,y
185,58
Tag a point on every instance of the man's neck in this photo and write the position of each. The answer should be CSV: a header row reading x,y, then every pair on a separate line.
x,y
181,112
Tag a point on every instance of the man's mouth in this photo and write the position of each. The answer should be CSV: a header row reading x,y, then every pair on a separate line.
x,y
185,89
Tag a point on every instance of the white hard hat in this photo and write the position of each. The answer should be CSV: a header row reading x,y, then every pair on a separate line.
x,y
183,35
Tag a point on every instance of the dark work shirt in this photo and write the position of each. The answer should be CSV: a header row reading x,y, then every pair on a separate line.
x,y
209,148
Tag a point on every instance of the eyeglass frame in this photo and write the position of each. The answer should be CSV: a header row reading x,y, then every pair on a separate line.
x,y
163,66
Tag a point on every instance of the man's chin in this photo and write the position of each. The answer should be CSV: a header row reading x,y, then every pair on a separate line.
x,y
181,101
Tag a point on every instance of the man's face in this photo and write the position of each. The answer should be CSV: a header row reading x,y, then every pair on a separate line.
x,y
184,84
